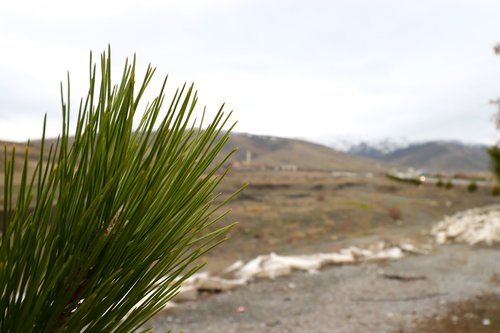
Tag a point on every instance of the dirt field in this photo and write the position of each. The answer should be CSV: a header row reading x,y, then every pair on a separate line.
x,y
308,212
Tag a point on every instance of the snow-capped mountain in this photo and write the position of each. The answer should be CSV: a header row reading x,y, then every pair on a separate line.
x,y
378,149
357,146
438,155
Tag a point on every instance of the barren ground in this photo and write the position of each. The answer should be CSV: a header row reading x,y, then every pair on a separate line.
x,y
307,212
350,298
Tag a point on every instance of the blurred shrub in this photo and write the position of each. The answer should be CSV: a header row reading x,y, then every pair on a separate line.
x,y
318,187
495,190
395,213
472,187
413,181
494,153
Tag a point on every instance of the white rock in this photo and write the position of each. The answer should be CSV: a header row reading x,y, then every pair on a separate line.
x,y
473,226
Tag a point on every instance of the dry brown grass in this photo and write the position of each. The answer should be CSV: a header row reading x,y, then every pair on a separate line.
x,y
286,212
294,212
478,315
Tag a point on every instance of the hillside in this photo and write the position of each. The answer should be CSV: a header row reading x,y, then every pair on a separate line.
x,y
20,151
441,156
264,151
438,156
451,156
275,152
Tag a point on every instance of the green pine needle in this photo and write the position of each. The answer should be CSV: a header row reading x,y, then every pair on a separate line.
x,y
109,224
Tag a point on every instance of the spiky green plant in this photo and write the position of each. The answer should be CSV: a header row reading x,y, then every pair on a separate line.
x,y
111,222
494,153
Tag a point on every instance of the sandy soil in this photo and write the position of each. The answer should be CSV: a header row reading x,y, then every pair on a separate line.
x,y
364,298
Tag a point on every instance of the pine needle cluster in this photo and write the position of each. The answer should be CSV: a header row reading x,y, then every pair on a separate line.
x,y
99,237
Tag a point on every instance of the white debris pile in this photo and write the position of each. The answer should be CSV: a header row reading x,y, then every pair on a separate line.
x,y
271,266
473,226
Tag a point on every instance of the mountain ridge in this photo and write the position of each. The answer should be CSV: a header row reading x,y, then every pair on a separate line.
x,y
453,156
275,151
436,155
260,151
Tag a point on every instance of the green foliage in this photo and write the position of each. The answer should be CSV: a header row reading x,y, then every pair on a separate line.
x,y
472,187
120,215
439,183
494,153
448,185
413,181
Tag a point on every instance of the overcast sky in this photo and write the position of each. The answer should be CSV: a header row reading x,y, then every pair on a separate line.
x,y
361,68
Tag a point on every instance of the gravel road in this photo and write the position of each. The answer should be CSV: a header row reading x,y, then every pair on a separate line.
x,y
376,297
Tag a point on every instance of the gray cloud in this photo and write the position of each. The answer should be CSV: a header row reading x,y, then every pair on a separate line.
x,y
377,69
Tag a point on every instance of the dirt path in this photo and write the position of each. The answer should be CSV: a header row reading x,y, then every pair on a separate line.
x,y
383,297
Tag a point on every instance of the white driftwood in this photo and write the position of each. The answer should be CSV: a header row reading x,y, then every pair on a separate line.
x,y
271,266
263,266
303,263
345,257
250,269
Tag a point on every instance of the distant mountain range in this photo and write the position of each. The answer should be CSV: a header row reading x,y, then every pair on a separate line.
x,y
269,151
256,151
441,156
451,156
354,144
274,152
378,149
